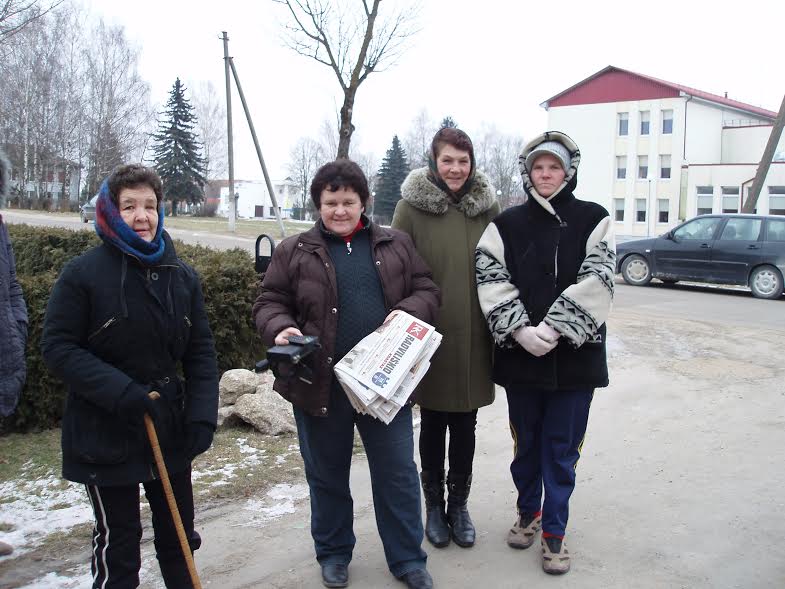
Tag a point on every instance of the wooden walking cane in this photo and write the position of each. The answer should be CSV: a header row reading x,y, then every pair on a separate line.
x,y
164,474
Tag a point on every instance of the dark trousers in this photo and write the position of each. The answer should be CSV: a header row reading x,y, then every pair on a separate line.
x,y
433,430
548,428
118,531
326,447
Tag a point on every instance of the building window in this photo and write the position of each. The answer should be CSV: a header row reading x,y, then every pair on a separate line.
x,y
665,166
730,199
777,205
663,206
624,121
667,122
640,210
705,200
618,207
643,166
621,167
645,122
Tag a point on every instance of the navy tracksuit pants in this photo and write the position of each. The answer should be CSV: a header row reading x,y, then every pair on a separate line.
x,y
548,428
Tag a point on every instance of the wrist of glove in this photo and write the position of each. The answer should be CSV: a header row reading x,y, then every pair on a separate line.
x,y
198,438
135,402
529,339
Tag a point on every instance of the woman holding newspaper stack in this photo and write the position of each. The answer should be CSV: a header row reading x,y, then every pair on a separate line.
x,y
445,208
340,281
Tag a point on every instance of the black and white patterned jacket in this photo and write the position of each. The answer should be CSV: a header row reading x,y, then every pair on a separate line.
x,y
554,261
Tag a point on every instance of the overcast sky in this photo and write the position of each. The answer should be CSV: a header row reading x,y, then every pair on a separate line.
x,y
490,62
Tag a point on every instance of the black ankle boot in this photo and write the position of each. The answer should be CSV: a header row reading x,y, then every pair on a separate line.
x,y
461,526
436,529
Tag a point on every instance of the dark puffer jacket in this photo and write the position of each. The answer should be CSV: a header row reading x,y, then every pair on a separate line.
x,y
111,324
13,314
300,290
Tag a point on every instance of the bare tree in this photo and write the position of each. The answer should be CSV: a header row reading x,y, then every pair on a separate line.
x,y
351,42
497,156
304,159
211,128
15,15
418,140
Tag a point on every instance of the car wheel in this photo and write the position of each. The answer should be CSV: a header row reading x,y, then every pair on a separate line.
x,y
766,282
635,270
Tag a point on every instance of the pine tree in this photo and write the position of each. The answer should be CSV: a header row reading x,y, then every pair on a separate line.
x,y
393,172
448,122
177,153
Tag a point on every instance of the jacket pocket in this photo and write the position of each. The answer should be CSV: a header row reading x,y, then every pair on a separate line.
x,y
93,436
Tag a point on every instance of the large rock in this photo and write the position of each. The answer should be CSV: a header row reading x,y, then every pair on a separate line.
x,y
266,411
236,383
227,416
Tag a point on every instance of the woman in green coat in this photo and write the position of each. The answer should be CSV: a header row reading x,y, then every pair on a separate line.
x,y
445,208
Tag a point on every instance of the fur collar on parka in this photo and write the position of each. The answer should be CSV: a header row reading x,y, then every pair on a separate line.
x,y
423,194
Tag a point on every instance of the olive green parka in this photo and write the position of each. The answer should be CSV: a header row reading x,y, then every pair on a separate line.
x,y
446,235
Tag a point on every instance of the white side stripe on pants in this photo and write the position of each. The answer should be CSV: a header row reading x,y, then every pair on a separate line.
x,y
101,527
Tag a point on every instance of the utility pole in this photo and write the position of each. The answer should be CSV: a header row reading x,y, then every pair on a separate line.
x,y
765,162
232,200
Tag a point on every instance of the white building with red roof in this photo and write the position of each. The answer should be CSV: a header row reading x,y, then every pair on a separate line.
x,y
654,152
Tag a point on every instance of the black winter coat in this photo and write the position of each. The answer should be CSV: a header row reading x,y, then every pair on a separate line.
x,y
112,323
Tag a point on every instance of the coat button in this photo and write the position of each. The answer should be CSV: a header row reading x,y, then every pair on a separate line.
x,y
329,359
323,410
300,244
378,263
326,265
333,310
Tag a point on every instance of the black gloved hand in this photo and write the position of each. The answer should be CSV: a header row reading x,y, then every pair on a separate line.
x,y
135,402
198,437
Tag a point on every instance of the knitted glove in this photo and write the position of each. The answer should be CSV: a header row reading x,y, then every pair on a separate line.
x,y
531,342
135,402
546,332
198,438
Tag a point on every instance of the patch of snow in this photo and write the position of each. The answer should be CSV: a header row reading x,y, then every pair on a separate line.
x,y
55,581
41,506
279,501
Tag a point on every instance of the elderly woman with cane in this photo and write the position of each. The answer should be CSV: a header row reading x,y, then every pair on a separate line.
x,y
340,281
122,321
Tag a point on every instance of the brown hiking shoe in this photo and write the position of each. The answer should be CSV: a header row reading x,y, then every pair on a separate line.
x,y
522,532
555,558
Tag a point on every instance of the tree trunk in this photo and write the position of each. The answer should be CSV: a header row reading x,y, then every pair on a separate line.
x,y
347,128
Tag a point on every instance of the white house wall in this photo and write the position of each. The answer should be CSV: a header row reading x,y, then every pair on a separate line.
x,y
745,145
594,129
731,175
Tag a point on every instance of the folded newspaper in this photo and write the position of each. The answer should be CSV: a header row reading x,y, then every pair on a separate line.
x,y
380,373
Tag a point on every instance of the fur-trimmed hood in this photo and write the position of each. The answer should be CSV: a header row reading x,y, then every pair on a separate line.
x,y
571,177
423,194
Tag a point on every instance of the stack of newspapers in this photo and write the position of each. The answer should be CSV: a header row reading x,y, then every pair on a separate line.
x,y
380,373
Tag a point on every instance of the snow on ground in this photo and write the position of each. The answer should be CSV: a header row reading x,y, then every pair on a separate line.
x,y
279,501
39,507
55,581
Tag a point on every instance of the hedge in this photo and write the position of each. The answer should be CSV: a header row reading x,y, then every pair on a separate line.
x,y
229,283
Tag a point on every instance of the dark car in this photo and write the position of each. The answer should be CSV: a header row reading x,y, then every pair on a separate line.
x,y
87,210
721,249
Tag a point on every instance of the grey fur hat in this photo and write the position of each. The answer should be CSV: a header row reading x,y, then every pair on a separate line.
x,y
555,149
5,176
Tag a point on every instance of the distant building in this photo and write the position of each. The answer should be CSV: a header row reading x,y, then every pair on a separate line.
x,y
253,200
654,153
49,176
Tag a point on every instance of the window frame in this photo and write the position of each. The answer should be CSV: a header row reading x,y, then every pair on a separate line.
x,y
645,123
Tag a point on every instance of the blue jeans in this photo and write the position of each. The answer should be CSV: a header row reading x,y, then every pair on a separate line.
x,y
326,447
548,428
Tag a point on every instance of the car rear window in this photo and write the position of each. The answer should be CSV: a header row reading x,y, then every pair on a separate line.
x,y
776,230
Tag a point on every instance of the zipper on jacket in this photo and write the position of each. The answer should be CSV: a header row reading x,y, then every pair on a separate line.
x,y
100,329
187,321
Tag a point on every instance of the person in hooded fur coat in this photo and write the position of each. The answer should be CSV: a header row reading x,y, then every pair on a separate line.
x,y
545,277
124,319
13,321
445,208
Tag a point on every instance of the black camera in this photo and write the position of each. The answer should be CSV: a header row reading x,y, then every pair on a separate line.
x,y
292,360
